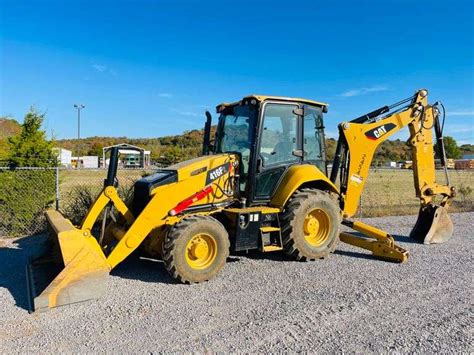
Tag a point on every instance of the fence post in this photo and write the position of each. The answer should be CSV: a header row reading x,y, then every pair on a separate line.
x,y
57,188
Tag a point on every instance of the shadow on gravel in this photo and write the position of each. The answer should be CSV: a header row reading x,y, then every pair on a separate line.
x,y
404,239
140,267
13,270
143,268
354,254
258,255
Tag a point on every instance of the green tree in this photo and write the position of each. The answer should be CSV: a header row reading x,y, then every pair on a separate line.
x,y
451,148
31,147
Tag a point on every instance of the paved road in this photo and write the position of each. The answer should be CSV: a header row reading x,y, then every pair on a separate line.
x,y
348,302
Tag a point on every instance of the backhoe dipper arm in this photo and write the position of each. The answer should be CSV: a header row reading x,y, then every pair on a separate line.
x,y
359,139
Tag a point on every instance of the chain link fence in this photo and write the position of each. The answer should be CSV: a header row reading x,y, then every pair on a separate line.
x,y
78,188
25,193
391,192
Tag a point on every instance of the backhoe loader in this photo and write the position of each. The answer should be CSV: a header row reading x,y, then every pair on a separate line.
x,y
261,183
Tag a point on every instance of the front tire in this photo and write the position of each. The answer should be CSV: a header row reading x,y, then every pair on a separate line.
x,y
196,249
310,225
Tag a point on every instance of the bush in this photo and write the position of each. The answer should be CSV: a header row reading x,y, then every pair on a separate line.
x,y
81,198
24,195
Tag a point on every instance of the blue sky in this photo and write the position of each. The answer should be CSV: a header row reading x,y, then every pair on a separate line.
x,y
150,68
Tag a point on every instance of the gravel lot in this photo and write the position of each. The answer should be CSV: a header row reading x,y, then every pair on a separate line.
x,y
346,303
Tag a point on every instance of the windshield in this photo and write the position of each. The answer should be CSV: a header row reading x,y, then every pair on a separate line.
x,y
235,132
235,129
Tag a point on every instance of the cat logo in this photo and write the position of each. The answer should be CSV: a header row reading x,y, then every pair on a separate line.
x,y
379,131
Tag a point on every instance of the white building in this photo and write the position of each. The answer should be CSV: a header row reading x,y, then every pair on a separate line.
x,y
64,156
86,162
90,161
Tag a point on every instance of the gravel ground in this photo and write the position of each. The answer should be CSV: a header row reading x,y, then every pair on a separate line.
x,y
262,303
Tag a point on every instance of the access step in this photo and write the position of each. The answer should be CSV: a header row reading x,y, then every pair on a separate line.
x,y
270,248
269,229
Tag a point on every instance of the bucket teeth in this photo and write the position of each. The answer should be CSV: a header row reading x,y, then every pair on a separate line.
x,y
433,225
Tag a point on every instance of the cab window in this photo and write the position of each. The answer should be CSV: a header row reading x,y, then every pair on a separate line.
x,y
278,137
313,141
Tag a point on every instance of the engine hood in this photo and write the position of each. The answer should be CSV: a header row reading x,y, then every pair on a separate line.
x,y
203,170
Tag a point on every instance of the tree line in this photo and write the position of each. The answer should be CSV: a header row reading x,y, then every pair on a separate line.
x,y
27,145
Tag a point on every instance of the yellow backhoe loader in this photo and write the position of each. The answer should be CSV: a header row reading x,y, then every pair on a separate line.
x,y
261,183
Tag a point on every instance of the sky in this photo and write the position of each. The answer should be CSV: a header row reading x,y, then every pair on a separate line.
x,y
148,68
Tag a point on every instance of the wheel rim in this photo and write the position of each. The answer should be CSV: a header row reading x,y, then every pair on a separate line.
x,y
317,226
201,251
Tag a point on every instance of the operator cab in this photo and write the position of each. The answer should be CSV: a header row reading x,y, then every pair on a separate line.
x,y
270,134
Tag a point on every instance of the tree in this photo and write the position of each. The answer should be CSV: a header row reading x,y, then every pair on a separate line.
x,y
171,155
30,147
96,149
451,148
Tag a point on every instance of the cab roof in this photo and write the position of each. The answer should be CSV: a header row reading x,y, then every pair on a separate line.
x,y
262,98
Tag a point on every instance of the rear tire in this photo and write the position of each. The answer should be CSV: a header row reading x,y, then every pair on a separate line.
x,y
310,225
196,249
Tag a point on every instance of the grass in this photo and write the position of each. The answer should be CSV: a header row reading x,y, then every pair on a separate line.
x,y
392,192
387,192
79,188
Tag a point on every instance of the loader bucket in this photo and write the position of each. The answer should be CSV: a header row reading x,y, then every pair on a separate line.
x,y
73,269
433,225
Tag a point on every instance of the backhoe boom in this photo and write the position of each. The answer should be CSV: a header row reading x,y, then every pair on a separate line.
x,y
356,147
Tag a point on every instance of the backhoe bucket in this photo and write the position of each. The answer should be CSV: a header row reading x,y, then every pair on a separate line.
x,y
433,225
72,270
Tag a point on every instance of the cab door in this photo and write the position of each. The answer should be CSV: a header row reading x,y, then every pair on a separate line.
x,y
278,148
313,137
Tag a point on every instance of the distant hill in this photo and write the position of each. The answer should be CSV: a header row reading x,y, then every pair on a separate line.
x,y
170,149
8,127
165,150
188,145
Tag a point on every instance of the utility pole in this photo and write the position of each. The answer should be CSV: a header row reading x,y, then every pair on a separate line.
x,y
79,107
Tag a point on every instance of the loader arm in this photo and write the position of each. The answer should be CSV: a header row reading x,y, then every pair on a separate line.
x,y
78,263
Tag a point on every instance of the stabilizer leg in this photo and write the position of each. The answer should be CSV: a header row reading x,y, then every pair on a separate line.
x,y
380,243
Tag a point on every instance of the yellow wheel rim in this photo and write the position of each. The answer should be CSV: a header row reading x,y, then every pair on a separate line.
x,y
317,226
201,251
